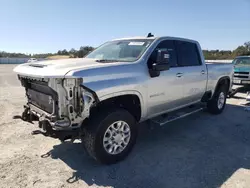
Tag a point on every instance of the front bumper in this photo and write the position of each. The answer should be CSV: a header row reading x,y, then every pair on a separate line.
x,y
241,81
47,124
60,105
51,119
241,78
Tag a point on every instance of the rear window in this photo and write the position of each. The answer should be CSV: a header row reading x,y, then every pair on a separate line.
x,y
188,54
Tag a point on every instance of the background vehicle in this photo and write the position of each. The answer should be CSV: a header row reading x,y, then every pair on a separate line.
x,y
32,60
103,97
241,70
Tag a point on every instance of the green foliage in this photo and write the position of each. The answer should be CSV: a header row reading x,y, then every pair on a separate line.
x,y
221,54
73,53
42,55
84,50
247,45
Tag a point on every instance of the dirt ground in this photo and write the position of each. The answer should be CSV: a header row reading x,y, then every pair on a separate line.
x,y
199,151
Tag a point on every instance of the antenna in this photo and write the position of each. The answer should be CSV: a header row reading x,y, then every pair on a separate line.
x,y
150,35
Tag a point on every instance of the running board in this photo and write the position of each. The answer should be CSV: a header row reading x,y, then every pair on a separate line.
x,y
172,116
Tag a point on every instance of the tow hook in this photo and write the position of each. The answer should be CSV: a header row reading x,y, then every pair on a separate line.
x,y
26,115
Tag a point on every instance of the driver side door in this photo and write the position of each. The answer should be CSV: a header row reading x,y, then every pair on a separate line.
x,y
165,91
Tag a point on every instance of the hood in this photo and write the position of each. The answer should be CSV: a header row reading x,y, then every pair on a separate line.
x,y
242,68
58,68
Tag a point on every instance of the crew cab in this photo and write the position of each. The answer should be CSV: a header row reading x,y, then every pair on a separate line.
x,y
102,97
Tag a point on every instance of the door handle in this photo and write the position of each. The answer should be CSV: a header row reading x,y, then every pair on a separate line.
x,y
180,74
202,72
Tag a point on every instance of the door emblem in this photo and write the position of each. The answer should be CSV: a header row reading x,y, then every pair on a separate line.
x,y
156,95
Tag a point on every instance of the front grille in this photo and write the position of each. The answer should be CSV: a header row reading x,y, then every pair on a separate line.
x,y
41,95
241,73
40,100
240,76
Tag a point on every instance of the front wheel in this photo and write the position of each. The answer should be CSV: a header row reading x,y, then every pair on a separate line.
x,y
217,104
109,137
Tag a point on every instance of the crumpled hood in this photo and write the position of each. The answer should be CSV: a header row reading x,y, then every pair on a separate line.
x,y
58,68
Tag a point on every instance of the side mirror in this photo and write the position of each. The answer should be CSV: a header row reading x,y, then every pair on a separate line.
x,y
162,61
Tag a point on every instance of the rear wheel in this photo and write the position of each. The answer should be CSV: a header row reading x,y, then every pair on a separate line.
x,y
110,136
217,104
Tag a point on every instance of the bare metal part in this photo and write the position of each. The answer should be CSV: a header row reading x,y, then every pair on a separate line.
x,y
74,102
88,100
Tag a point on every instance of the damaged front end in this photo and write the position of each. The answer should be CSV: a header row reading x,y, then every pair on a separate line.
x,y
60,104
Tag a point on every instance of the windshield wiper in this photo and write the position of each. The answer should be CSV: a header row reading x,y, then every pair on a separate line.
x,y
106,60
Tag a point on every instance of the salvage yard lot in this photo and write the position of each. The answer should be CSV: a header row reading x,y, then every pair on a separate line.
x,y
199,151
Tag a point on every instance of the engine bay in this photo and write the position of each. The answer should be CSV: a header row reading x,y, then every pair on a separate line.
x,y
64,103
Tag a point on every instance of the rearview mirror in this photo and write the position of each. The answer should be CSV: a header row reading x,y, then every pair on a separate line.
x,y
160,66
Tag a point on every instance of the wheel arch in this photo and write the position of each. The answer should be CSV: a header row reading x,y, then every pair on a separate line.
x,y
129,100
225,80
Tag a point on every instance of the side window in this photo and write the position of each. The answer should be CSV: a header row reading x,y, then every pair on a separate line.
x,y
187,54
170,47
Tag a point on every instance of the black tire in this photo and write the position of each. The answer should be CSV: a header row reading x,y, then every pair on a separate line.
x,y
95,129
212,105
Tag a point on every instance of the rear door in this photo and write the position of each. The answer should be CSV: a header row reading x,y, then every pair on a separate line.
x,y
193,71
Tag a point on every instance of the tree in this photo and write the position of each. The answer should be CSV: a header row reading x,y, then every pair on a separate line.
x,y
65,52
73,53
84,50
247,45
241,50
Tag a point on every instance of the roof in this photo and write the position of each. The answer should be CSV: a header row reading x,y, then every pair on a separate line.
x,y
162,37
131,38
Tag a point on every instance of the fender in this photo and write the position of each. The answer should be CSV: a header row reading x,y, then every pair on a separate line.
x,y
219,81
92,92
127,92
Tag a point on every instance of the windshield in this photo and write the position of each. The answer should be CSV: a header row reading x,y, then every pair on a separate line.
x,y
242,61
121,50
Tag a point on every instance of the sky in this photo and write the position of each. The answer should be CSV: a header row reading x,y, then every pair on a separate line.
x,y
41,26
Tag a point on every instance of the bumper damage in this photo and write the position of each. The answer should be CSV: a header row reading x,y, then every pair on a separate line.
x,y
46,128
59,105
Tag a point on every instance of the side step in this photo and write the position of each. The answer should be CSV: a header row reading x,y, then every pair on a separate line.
x,y
181,113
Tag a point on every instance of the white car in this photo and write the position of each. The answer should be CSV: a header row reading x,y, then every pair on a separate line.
x,y
32,60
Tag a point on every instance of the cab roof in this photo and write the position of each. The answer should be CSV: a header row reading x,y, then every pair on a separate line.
x,y
157,38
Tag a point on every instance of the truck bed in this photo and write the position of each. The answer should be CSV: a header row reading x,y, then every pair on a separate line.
x,y
215,71
219,61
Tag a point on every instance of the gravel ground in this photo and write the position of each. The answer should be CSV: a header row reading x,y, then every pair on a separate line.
x,y
199,151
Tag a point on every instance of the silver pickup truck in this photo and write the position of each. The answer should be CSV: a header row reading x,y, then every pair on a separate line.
x,y
101,98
